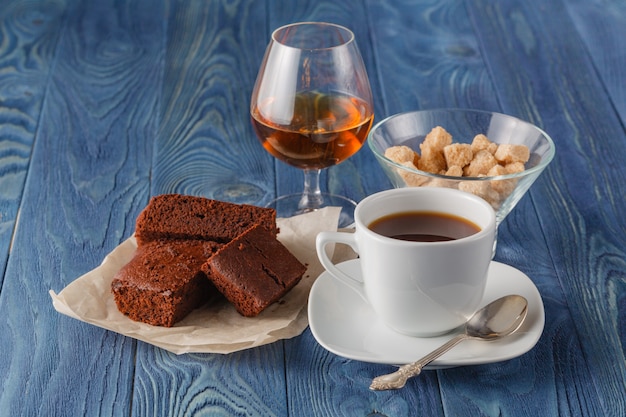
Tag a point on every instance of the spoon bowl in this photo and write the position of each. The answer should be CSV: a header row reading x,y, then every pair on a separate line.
x,y
497,319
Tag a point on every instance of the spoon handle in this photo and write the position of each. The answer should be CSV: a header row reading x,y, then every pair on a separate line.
x,y
398,378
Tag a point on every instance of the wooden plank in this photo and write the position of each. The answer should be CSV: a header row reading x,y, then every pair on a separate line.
x,y
428,57
602,28
208,78
87,182
29,33
210,53
550,80
250,382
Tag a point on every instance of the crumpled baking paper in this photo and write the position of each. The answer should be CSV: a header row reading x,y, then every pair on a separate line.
x,y
215,327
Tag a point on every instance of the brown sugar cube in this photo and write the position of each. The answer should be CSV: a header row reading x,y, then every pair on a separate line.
x,y
163,281
503,187
401,154
253,271
496,170
514,167
437,138
508,153
482,143
411,179
454,171
483,190
481,164
458,154
431,160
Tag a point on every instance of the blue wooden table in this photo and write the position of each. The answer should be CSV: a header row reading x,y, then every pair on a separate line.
x,y
106,103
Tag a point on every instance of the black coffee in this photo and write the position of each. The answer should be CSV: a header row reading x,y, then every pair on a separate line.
x,y
424,226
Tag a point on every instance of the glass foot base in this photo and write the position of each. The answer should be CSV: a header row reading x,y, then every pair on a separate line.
x,y
290,205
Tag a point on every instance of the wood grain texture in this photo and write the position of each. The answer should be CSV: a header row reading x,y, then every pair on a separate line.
x,y
206,145
238,384
602,23
550,80
28,34
120,100
324,384
428,56
87,180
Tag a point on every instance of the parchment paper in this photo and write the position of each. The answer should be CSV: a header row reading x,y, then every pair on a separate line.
x,y
216,327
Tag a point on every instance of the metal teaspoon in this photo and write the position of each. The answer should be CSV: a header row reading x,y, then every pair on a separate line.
x,y
495,320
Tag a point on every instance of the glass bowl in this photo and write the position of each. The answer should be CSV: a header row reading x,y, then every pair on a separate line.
x,y
502,191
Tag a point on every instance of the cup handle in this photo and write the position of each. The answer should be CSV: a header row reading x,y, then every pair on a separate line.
x,y
325,238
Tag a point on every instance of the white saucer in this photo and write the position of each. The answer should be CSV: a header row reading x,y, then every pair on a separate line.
x,y
346,325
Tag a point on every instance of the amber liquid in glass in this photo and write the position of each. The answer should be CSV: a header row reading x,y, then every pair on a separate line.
x,y
325,129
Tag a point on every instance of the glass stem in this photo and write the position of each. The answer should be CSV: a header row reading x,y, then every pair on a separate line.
x,y
312,195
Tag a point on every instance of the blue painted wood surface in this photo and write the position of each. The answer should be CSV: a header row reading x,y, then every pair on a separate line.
x,y
103,104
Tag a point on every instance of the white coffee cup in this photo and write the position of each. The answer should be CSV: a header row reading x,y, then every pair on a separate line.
x,y
418,288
